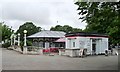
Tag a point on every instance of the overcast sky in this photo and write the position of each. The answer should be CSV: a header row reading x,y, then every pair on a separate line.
x,y
43,13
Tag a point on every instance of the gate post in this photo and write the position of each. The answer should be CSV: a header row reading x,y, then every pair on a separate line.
x,y
25,50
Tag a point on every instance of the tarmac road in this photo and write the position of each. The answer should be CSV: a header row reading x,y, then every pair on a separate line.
x,y
13,60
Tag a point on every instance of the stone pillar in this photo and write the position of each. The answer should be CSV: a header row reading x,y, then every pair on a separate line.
x,y
18,39
91,46
41,51
100,46
14,39
60,52
24,50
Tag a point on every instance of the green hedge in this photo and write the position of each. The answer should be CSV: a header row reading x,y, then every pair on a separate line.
x,y
6,45
29,43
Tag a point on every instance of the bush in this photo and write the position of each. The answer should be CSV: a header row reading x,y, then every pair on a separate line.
x,y
6,45
29,43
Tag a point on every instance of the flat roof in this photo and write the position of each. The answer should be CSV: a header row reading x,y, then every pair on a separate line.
x,y
86,34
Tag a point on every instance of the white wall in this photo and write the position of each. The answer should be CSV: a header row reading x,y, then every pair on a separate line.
x,y
86,42
81,41
98,46
69,43
88,45
104,44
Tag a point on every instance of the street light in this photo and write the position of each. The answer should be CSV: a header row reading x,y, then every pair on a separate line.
x,y
14,39
25,31
11,37
18,39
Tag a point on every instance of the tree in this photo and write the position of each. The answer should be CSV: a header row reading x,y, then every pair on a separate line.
x,y
101,17
76,30
56,28
65,28
30,27
6,31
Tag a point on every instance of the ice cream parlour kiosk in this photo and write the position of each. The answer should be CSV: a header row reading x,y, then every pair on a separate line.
x,y
94,43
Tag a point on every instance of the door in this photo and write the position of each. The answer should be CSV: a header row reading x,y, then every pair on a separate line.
x,y
94,48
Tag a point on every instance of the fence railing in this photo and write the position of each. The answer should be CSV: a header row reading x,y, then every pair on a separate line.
x,y
33,48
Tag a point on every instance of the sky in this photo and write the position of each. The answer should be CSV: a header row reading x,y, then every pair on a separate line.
x,y
43,13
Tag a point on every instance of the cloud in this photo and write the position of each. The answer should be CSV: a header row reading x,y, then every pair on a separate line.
x,y
0,13
27,12
44,13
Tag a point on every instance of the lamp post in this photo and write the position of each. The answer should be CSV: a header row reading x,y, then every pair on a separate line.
x,y
25,32
18,39
11,39
25,48
14,39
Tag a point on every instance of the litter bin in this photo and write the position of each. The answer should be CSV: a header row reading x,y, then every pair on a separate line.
x,y
106,52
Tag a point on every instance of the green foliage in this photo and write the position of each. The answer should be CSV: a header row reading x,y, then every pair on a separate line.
x,y
30,27
101,17
29,43
6,45
6,31
65,28
76,30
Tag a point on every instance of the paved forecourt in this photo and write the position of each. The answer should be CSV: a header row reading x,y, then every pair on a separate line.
x,y
13,60
0,59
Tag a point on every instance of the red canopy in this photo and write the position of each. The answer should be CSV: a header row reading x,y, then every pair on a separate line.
x,y
60,40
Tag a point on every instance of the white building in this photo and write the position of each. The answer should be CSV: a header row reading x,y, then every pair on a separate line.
x,y
93,42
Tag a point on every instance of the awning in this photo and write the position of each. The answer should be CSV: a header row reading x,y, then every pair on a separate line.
x,y
60,40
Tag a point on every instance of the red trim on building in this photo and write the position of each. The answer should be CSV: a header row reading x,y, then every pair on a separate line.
x,y
72,37
87,36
